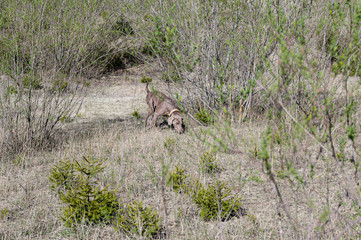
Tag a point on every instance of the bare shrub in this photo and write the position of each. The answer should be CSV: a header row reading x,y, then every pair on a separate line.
x,y
46,47
212,49
29,118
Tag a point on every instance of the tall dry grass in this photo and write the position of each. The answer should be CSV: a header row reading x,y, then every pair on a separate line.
x,y
135,163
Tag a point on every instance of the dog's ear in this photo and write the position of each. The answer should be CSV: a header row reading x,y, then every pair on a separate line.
x,y
170,120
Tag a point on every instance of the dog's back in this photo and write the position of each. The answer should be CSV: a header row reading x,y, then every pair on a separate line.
x,y
156,98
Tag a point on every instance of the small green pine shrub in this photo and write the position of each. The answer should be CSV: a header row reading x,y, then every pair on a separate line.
x,y
12,90
136,114
208,163
216,201
139,220
78,188
63,177
177,179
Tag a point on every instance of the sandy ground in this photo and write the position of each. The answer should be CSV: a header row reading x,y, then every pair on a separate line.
x,y
113,101
116,97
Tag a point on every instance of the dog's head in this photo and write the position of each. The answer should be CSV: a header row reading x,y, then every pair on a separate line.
x,y
177,121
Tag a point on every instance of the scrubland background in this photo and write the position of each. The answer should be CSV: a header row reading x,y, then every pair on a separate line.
x,y
269,89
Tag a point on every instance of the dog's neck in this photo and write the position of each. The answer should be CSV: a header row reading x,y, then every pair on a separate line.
x,y
173,111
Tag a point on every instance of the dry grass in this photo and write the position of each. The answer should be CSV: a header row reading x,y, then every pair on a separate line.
x,y
134,163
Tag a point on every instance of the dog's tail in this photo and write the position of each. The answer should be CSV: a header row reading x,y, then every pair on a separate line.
x,y
147,81
146,87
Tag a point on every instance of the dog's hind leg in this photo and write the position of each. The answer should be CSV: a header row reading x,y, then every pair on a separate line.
x,y
146,118
154,122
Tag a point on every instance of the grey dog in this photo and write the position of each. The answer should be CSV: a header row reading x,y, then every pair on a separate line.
x,y
161,105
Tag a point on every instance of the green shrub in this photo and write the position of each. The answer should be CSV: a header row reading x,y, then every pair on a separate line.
x,y
78,188
65,119
136,114
208,163
343,47
204,116
177,179
139,220
63,177
60,83
216,201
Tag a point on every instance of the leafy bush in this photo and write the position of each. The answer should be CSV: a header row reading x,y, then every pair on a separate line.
x,y
204,116
216,201
78,188
121,26
68,36
343,47
139,220
177,179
